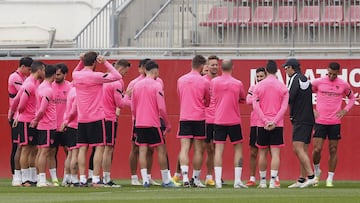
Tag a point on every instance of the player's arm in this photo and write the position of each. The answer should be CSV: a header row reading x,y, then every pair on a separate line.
x,y
250,95
351,101
44,103
242,97
257,108
162,108
112,74
315,84
24,99
283,107
118,95
207,93
133,104
293,90
14,105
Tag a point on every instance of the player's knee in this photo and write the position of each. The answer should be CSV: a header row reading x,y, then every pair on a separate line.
x,y
333,150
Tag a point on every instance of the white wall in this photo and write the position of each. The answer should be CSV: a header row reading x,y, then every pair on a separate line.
x,y
68,17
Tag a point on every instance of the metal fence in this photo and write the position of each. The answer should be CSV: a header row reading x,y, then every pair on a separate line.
x,y
101,31
248,26
254,23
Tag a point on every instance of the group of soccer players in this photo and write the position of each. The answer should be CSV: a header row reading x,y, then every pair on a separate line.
x,y
46,112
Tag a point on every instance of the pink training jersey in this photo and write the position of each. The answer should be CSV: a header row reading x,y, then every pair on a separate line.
x,y
271,101
194,94
148,104
329,99
61,91
227,92
89,92
27,100
249,100
112,98
210,110
16,79
45,107
130,87
70,115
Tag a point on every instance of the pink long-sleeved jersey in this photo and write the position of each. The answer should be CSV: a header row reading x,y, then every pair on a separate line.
x,y
113,98
227,92
148,103
60,96
194,94
271,101
210,110
89,92
45,107
27,100
329,99
249,100
16,79
70,114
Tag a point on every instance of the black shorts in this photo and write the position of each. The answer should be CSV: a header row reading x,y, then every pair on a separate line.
x,y
301,132
14,133
46,138
222,131
61,139
111,129
27,135
192,129
332,132
209,132
149,137
253,136
92,134
71,134
273,138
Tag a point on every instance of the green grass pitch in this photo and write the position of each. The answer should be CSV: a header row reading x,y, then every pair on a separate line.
x,y
343,192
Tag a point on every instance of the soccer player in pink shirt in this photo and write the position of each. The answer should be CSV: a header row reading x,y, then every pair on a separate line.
x,y
61,88
148,104
134,152
270,106
227,92
45,122
213,69
70,128
194,94
112,99
330,93
25,104
91,128
16,79
260,75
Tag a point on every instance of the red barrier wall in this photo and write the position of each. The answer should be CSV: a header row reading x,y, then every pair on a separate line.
x,y
170,71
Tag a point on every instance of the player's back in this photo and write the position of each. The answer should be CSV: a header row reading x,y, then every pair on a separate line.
x,y
145,103
227,93
194,95
270,93
48,121
89,95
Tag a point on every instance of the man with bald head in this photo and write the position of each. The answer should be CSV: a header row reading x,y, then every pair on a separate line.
x,y
227,92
